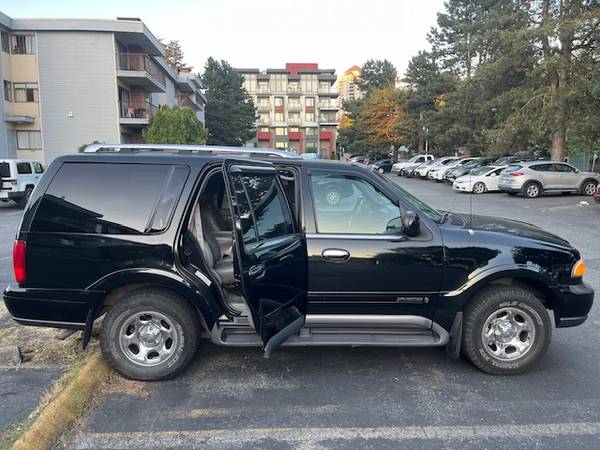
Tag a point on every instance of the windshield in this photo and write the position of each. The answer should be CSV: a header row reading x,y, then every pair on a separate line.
x,y
481,170
433,214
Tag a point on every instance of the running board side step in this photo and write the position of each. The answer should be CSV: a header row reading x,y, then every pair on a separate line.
x,y
341,330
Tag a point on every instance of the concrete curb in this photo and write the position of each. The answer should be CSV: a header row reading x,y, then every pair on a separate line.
x,y
65,407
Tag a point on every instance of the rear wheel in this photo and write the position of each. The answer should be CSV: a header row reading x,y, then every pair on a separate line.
x,y
506,330
152,334
589,188
479,188
532,190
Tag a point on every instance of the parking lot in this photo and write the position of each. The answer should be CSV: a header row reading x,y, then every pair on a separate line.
x,y
365,397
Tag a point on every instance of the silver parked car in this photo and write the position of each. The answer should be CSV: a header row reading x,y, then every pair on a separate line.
x,y
533,178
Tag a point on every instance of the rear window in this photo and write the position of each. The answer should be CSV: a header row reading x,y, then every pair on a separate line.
x,y
110,198
4,170
512,168
23,168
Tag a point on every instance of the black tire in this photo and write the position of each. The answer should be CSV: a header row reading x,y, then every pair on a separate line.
x,y
589,187
532,190
186,328
479,188
23,200
496,299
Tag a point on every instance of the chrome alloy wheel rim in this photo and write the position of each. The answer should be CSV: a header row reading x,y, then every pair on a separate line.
x,y
479,188
148,338
590,189
508,334
333,198
532,191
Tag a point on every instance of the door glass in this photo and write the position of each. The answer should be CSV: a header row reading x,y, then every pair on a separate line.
x,y
345,204
564,168
265,215
23,168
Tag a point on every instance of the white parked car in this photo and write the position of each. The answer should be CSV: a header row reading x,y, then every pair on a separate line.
x,y
18,178
439,168
479,180
417,159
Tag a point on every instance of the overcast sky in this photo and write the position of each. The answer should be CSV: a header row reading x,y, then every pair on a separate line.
x,y
266,33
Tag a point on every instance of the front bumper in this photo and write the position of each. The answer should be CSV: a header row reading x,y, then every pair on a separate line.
x,y
11,195
572,304
463,187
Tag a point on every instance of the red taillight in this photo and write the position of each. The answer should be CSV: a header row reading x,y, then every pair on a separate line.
x,y
516,174
19,250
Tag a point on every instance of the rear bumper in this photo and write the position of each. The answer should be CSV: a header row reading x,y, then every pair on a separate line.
x,y
59,308
11,195
506,188
572,304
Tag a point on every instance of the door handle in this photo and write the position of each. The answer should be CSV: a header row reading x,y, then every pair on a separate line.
x,y
257,271
335,254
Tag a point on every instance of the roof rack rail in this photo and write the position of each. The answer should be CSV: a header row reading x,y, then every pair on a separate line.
x,y
193,149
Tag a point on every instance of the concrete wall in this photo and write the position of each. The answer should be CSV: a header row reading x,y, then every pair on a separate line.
x,y
76,75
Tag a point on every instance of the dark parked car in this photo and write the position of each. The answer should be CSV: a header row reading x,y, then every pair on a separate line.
x,y
384,165
169,244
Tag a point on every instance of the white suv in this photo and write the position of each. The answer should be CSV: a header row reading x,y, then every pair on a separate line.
x,y
415,160
18,177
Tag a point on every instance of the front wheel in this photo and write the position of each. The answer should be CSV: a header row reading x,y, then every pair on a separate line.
x,y
506,330
479,188
152,334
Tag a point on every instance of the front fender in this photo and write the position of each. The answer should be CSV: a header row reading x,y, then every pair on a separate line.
x,y
199,295
454,301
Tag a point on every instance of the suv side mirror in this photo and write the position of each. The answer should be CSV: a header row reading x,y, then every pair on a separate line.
x,y
394,226
411,223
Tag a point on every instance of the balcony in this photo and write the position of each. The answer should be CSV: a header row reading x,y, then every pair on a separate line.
x,y
294,89
294,120
263,90
325,135
327,120
135,113
265,107
139,69
294,106
331,106
183,101
294,135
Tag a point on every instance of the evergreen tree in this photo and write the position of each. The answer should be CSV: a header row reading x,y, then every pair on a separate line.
x,y
376,74
230,114
174,54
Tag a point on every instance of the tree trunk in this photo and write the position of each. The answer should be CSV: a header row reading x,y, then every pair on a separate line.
x,y
420,139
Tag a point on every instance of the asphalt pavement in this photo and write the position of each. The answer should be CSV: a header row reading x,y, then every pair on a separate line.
x,y
370,397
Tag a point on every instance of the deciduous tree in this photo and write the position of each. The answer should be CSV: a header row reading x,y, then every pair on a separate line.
x,y
174,125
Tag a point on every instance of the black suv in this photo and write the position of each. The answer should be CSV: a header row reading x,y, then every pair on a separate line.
x,y
243,246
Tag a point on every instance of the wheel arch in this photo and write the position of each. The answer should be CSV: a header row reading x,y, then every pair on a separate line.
x,y
586,180
118,285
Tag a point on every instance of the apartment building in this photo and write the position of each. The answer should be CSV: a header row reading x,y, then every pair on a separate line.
x,y
69,82
296,108
347,87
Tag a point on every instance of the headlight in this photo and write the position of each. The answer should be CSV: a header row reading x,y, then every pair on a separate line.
x,y
578,269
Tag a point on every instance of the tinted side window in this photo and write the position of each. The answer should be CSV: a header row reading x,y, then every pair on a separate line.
x,y
23,168
345,204
268,204
4,170
564,168
543,168
101,198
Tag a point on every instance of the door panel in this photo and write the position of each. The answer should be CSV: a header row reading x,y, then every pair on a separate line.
x,y
360,262
271,252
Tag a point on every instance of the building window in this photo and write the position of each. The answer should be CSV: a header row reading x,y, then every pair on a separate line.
x,y
311,132
280,131
293,86
263,118
26,92
309,116
24,168
278,82
5,41
22,44
324,86
263,129
250,82
279,117
29,140
8,91
308,82
309,102
281,145
278,102
294,129
263,87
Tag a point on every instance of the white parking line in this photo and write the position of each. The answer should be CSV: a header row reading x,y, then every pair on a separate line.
x,y
311,437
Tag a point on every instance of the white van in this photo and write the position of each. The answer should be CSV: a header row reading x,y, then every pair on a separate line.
x,y
18,177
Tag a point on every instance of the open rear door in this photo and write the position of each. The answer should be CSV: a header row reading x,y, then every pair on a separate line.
x,y
271,251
